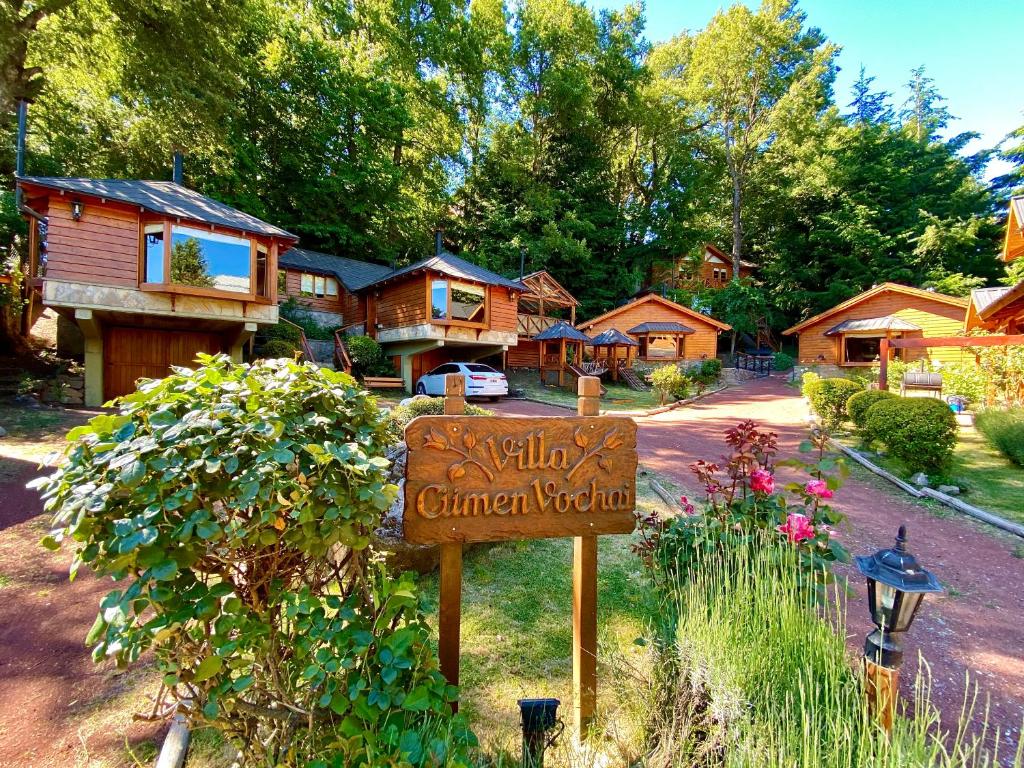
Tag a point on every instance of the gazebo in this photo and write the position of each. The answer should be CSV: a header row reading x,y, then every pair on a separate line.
x,y
612,341
554,342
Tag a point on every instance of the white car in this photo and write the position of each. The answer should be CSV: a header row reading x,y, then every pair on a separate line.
x,y
481,380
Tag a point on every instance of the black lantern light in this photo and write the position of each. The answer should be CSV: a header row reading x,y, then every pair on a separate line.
x,y
896,586
76,209
538,717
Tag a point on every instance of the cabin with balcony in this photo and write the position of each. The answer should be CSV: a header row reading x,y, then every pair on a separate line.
x,y
712,268
542,303
145,274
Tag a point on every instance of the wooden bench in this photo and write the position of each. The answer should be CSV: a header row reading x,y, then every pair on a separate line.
x,y
383,382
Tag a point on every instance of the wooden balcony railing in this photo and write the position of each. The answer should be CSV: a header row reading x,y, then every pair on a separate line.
x,y
531,325
342,359
307,351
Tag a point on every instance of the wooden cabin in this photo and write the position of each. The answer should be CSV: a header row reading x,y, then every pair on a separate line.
x,y
848,334
146,274
542,303
327,287
712,268
1001,310
665,332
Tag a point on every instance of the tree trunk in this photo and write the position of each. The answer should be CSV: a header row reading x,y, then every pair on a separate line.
x,y
737,236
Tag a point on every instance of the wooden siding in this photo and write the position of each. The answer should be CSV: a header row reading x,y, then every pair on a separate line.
x,y
524,354
350,306
935,318
702,342
402,303
102,248
133,353
504,310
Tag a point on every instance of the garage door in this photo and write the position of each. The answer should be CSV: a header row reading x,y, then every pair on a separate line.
x,y
133,353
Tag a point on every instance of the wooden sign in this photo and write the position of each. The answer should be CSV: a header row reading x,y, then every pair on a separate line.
x,y
499,478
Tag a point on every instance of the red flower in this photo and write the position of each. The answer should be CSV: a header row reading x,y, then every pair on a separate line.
x,y
688,508
762,480
797,528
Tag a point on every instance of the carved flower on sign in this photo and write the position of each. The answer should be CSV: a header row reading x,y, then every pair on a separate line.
x,y
440,442
610,442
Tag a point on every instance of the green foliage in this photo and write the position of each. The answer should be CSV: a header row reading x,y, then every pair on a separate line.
x,y
368,356
284,332
829,399
705,373
670,382
858,404
782,361
278,348
401,415
809,384
1004,430
233,505
966,379
919,431
313,328
955,284
1003,369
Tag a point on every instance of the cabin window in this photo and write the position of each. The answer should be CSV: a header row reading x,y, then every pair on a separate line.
x,y
332,287
154,237
467,302
210,260
262,255
860,349
439,299
306,284
663,347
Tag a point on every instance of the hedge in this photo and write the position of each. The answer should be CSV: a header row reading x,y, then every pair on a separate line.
x,y
1004,430
919,431
401,415
829,400
858,404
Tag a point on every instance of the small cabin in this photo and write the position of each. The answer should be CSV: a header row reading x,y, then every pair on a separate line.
x,y
849,334
145,274
1001,310
713,268
543,303
664,331
327,287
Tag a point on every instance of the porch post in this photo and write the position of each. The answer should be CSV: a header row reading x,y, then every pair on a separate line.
x,y
93,335
883,364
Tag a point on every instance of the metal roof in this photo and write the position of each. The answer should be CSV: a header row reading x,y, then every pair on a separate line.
x,y
165,198
887,323
983,297
453,266
665,327
352,274
613,337
562,330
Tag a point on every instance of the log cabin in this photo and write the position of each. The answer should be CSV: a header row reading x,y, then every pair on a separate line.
x,y
713,268
848,334
1001,310
665,332
145,274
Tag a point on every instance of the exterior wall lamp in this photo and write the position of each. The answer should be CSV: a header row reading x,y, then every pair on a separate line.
x,y
77,207
538,716
897,585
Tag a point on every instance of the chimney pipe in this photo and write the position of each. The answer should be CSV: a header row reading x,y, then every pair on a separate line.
x,y
19,155
438,247
178,174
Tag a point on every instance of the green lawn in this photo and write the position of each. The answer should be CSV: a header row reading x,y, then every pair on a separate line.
x,y
517,638
617,397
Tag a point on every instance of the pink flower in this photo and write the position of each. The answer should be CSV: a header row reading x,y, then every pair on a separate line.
x,y
797,528
762,480
818,488
688,508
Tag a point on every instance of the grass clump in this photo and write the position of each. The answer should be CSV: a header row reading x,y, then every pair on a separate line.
x,y
1004,430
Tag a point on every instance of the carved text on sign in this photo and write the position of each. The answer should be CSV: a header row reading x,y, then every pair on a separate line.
x,y
489,479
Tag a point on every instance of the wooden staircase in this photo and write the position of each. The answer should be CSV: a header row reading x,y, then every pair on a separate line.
x,y
633,381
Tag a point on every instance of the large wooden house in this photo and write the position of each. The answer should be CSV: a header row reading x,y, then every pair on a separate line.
x,y
146,274
713,268
1001,310
848,334
664,331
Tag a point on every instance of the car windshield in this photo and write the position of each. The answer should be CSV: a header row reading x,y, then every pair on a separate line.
x,y
477,368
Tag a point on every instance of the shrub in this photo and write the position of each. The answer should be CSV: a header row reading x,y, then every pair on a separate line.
x,y
234,506
919,431
368,357
670,382
858,404
782,362
401,415
278,348
705,373
809,383
1004,430
829,400
313,328
284,332
964,379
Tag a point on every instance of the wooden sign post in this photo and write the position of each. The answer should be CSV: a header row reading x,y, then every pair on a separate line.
x,y
484,478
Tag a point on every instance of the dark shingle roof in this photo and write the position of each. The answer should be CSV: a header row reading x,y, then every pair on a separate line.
x,y
561,330
660,328
352,274
165,198
453,266
613,336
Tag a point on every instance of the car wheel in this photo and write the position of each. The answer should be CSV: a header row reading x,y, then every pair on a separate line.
x,y
421,389
494,398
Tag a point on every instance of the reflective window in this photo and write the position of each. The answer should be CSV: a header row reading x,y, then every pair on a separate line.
x,y
262,287
332,287
439,299
306,285
663,347
861,349
210,260
154,236
467,302
282,281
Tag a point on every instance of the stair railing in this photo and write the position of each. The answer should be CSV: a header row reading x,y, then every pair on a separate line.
x,y
342,359
307,351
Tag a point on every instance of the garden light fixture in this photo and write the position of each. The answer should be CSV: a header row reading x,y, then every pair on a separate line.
x,y
896,586
76,210
538,716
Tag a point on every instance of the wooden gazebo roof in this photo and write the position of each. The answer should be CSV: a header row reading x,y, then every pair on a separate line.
x,y
541,289
613,338
562,330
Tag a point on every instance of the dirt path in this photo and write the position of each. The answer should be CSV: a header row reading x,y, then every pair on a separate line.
x,y
976,628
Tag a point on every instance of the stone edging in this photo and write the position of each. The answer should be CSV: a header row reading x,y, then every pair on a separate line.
x,y
650,412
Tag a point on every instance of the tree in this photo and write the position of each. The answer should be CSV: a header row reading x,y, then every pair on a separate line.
x,y
188,264
923,113
867,106
1011,150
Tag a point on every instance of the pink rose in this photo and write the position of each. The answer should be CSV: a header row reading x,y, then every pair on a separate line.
x,y
818,488
688,508
797,528
762,480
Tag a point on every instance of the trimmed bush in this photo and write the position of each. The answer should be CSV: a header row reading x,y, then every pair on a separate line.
x,y
367,356
782,362
829,400
1004,430
964,379
858,404
919,431
809,384
278,348
401,415
670,382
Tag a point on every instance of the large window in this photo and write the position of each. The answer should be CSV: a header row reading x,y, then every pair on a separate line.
x,y
655,347
210,260
452,300
860,349
439,299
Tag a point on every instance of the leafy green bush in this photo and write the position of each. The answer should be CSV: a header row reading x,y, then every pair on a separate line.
x,y
670,382
368,357
278,348
858,404
234,505
401,415
313,328
283,332
782,362
705,373
829,400
965,379
1004,430
809,383
919,431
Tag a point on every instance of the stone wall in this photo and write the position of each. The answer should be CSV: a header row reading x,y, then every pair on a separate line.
x,y
67,388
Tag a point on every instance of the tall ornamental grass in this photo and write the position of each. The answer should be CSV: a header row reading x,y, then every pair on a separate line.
x,y
758,675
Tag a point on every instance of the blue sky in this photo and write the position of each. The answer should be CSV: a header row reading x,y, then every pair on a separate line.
x,y
970,47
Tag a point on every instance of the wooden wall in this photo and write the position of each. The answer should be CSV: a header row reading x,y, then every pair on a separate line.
x,y
504,310
102,248
935,318
350,306
401,303
524,354
703,341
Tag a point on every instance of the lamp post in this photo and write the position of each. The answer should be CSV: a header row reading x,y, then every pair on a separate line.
x,y
538,716
897,585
